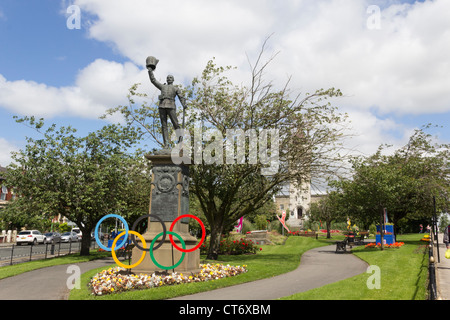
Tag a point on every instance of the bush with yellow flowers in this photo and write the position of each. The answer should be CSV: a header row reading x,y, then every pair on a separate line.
x,y
114,280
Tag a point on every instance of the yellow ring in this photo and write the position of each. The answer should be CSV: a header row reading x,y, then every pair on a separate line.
x,y
114,253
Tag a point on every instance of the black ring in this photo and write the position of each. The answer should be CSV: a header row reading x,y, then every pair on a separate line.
x,y
164,231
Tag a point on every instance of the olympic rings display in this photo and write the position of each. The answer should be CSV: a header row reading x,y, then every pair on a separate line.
x,y
114,253
182,255
203,233
98,224
135,225
152,246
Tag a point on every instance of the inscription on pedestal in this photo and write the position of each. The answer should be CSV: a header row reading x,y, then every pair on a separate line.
x,y
170,191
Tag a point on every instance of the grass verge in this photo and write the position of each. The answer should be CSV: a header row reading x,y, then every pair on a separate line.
x,y
403,275
15,269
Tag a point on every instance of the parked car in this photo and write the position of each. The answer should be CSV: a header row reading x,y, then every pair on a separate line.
x,y
78,232
69,237
30,237
52,237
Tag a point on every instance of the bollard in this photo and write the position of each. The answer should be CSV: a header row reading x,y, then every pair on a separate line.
x,y
12,254
432,282
52,248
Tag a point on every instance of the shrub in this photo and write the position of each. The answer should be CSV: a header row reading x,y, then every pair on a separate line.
x,y
276,226
247,226
261,222
233,247
372,229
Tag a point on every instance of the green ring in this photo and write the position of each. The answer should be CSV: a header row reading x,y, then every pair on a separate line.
x,y
153,258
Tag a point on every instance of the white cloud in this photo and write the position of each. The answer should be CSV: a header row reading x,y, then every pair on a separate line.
x,y
101,85
107,82
369,132
5,154
184,35
401,68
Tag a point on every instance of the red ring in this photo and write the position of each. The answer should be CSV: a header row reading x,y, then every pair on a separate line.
x,y
203,235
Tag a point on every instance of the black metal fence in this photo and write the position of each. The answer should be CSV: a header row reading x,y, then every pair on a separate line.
x,y
433,259
432,286
11,254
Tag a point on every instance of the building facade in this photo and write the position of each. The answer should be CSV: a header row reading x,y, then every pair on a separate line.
x,y
295,201
6,194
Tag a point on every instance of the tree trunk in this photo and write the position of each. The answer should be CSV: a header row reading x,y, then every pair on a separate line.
x,y
382,229
214,244
328,230
85,244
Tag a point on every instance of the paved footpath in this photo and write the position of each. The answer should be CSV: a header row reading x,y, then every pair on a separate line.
x,y
318,267
44,284
443,272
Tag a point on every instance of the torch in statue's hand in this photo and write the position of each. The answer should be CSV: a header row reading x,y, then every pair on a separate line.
x,y
151,63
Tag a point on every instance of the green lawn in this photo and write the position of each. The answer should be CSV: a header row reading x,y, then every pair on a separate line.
x,y
264,264
404,273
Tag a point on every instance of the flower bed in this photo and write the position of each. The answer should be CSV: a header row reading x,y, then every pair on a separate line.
x,y
112,281
233,247
331,231
378,245
308,233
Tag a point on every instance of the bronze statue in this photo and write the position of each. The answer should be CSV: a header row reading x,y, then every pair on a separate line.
x,y
167,107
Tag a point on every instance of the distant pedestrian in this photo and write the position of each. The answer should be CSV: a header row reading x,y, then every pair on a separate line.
x,y
446,238
421,228
428,228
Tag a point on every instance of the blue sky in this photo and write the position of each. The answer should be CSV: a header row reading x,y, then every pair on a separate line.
x,y
395,77
37,46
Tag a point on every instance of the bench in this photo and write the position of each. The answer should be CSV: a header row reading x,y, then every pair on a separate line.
x,y
341,246
359,240
364,234
125,252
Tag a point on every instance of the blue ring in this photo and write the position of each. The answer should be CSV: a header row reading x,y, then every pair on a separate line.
x,y
124,238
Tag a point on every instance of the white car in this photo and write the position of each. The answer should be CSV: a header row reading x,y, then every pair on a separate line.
x,y
78,232
30,237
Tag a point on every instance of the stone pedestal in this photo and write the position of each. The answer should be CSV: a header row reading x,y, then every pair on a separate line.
x,y
260,237
169,199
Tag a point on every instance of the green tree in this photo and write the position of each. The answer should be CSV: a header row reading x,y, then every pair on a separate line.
x,y
404,182
82,178
309,138
326,210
